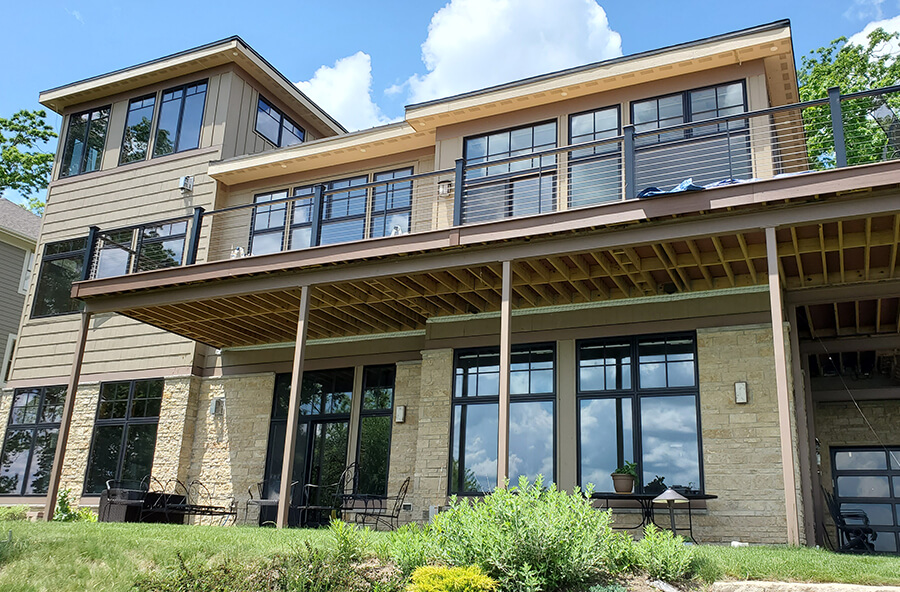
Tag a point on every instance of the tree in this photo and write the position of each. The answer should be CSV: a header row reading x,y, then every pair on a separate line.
x,y
871,127
23,166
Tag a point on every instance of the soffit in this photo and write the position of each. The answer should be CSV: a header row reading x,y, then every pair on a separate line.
x,y
772,45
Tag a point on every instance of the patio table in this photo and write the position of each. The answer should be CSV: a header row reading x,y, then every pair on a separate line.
x,y
645,501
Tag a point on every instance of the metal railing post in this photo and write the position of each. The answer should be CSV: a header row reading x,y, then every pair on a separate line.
x,y
837,126
316,215
194,239
458,191
628,161
88,267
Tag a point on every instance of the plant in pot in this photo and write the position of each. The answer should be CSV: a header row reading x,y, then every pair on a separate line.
x,y
625,477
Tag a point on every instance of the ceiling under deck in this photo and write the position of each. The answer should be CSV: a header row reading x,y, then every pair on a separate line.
x,y
814,255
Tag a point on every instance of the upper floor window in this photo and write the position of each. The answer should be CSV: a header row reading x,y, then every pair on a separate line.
x,y
180,119
277,127
30,442
137,129
344,211
62,264
595,173
391,204
267,235
693,105
85,139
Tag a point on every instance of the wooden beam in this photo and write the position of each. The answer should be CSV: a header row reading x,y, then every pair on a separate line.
x,y
505,354
781,386
293,418
65,422
725,264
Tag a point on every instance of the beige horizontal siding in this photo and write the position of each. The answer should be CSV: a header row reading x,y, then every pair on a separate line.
x,y
12,260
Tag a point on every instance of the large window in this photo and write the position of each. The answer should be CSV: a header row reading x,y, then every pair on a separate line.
x,y
30,443
476,398
515,188
267,228
638,401
276,127
595,173
375,419
868,479
138,122
344,211
391,204
85,139
124,433
180,119
62,263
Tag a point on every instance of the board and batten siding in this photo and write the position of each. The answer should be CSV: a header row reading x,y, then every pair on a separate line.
x,y
12,261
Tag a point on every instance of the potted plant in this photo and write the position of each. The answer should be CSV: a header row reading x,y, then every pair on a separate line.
x,y
624,477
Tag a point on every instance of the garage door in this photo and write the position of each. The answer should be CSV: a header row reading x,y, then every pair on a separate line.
x,y
868,479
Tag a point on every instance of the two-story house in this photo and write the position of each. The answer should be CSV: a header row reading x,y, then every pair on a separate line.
x,y
662,258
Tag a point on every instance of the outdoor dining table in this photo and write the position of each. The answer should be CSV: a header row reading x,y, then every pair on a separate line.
x,y
645,501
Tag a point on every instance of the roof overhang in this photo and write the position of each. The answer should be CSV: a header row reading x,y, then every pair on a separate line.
x,y
232,50
771,43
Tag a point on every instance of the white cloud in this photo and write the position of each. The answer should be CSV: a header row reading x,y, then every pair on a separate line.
x,y
891,25
344,91
864,9
75,14
472,44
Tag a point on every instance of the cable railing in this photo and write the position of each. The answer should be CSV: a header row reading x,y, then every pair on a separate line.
x,y
637,163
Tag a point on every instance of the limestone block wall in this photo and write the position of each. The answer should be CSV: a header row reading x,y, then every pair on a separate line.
x,y
175,433
433,438
81,430
228,452
741,442
404,436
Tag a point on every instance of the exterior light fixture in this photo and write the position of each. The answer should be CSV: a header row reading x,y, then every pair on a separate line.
x,y
400,414
444,188
671,497
740,393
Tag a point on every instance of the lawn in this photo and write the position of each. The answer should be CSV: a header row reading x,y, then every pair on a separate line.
x,y
108,557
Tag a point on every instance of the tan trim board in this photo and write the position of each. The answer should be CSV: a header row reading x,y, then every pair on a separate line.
x,y
171,372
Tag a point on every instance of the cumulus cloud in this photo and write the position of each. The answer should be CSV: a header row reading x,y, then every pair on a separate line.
x,y
344,91
863,9
472,44
891,25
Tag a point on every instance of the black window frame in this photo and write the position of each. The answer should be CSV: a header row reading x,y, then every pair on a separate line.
x,y
266,207
70,139
281,119
150,131
176,143
594,156
464,399
635,393
126,421
332,200
364,413
48,257
33,427
394,184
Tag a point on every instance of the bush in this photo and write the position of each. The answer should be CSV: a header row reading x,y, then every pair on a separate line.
x,y
451,579
349,543
8,513
68,511
663,555
410,547
529,538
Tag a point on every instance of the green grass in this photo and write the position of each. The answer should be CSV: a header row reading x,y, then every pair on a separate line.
x,y
797,564
108,557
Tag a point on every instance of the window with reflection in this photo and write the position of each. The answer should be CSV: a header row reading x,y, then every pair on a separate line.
x,y
30,443
267,227
375,420
300,234
62,264
391,204
180,119
868,479
124,437
275,126
595,172
638,402
344,211
510,188
85,140
138,122
161,245
476,400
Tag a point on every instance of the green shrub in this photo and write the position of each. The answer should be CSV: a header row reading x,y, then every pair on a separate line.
x,y
410,547
529,538
349,543
68,511
663,555
13,513
450,579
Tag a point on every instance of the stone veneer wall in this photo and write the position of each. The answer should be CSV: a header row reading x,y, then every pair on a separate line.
x,y
741,443
404,436
433,438
81,431
228,452
175,433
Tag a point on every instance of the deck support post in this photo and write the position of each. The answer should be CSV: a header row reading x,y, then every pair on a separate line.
x,y
805,444
290,436
782,391
505,351
66,420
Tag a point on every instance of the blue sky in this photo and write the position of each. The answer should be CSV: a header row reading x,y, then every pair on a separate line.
x,y
363,61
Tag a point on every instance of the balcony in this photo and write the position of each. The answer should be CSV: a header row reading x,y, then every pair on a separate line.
x,y
732,150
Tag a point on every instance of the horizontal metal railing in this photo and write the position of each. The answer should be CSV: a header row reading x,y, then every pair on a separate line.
x,y
738,148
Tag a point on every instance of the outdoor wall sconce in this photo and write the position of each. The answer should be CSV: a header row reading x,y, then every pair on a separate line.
x,y
400,414
740,393
671,497
444,188
217,406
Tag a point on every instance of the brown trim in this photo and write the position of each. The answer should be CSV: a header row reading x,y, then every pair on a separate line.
x,y
96,378
505,353
311,365
804,450
873,394
850,344
830,294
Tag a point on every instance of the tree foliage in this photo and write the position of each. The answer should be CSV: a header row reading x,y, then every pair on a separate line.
x,y
871,127
23,166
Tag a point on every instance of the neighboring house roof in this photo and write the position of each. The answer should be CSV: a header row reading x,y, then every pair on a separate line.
x,y
18,221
